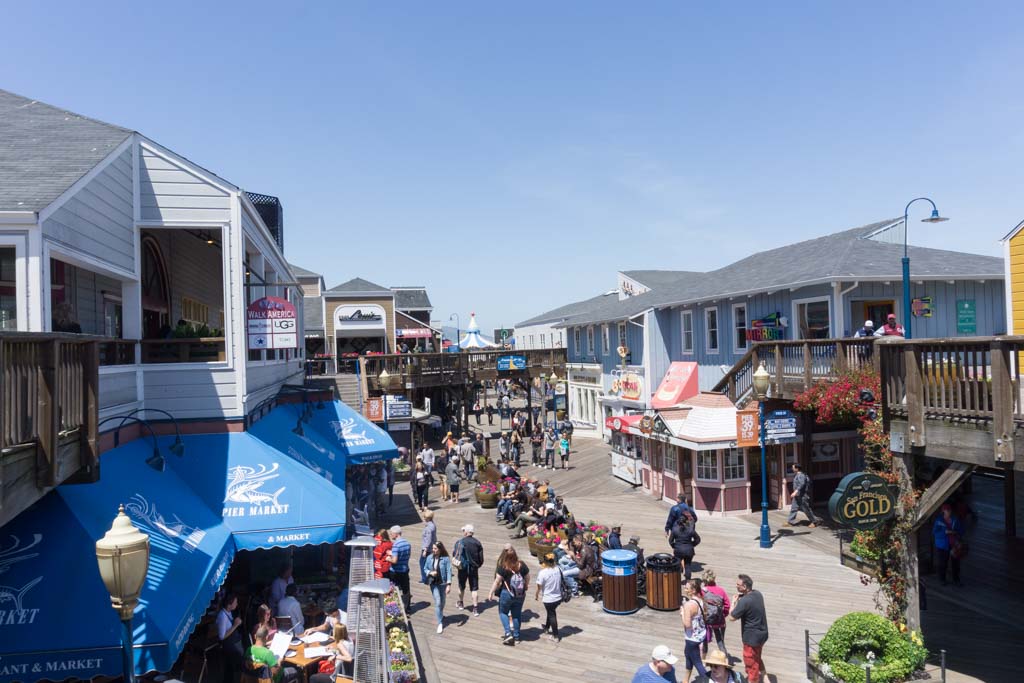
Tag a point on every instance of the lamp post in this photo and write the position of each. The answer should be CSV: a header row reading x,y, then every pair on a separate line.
x,y
934,218
458,329
384,380
761,378
123,558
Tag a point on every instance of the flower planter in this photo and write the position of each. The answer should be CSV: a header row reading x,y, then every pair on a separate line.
x,y
535,546
487,500
850,559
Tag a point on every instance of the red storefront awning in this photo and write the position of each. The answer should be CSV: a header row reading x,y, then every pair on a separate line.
x,y
679,384
622,423
415,333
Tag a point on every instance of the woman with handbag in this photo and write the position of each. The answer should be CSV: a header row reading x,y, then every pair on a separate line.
x,y
549,591
439,578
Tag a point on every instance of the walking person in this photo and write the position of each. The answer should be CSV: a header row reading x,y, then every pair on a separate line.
x,y
510,583
467,454
428,538
716,609
563,446
421,485
489,409
948,532
536,443
661,668
467,558
453,475
439,578
684,540
694,629
682,505
427,456
476,411
503,446
517,447
401,549
549,448
549,592
801,501
748,609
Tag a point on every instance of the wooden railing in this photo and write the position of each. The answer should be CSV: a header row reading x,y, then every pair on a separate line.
x,y
795,365
117,352
48,401
434,369
183,350
972,380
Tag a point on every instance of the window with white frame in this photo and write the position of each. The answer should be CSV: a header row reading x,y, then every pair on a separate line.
x,y
707,465
195,312
671,459
687,331
735,464
590,341
739,326
606,339
711,330
622,334
576,341
813,318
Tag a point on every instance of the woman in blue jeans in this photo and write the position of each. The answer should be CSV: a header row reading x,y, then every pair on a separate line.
x,y
439,578
513,576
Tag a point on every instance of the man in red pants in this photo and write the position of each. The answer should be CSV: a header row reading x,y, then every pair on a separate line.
x,y
748,609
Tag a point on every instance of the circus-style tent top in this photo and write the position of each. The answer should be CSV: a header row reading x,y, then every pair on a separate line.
x,y
473,338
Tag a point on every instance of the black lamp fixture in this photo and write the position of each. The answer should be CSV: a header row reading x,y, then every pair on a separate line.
x,y
156,460
178,447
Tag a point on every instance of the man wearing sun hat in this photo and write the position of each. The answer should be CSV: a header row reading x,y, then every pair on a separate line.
x,y
719,668
659,669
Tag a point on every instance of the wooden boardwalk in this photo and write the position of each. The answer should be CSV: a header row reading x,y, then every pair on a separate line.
x,y
804,586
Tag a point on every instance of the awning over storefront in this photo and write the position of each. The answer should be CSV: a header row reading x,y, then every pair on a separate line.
x,y
55,616
414,333
622,423
266,498
358,439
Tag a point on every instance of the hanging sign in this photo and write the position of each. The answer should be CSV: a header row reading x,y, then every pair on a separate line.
x,y
374,410
272,323
516,362
769,328
746,429
628,385
780,427
921,307
862,501
966,317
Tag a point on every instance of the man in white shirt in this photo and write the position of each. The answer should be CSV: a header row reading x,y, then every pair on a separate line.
x,y
290,607
278,586
427,456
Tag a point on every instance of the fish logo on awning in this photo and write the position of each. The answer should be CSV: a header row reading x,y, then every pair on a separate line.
x,y
244,484
175,529
346,432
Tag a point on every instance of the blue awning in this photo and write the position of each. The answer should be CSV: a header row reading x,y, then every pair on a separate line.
x,y
55,616
358,438
266,499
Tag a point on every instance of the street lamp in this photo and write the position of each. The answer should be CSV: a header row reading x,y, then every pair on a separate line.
x,y
934,218
761,379
384,381
123,558
458,329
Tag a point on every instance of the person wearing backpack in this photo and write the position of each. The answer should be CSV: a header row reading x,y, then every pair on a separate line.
x,y
552,590
801,500
510,583
467,558
684,540
694,628
716,609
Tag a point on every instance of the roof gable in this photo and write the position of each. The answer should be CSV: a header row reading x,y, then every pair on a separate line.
x,y
358,285
44,150
411,298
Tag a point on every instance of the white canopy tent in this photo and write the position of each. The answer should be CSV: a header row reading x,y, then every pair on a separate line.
x,y
473,338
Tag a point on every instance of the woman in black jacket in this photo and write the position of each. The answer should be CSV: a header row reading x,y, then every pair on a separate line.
x,y
684,540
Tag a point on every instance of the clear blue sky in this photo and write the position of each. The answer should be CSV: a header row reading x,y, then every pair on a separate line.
x,y
512,156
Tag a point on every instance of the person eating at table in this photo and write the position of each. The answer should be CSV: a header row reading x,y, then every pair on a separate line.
x,y
264,619
261,655
290,607
341,657
338,616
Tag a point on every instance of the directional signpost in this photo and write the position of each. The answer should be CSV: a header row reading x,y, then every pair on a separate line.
x,y
780,427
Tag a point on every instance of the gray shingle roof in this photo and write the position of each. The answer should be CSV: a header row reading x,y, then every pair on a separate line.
x,y
569,310
657,278
313,314
299,271
358,285
411,298
45,150
848,255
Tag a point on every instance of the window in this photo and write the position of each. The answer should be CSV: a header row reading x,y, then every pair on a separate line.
x,y
194,312
606,339
112,317
8,288
711,330
739,323
543,341
813,318
576,341
622,334
735,464
671,459
687,328
590,341
707,465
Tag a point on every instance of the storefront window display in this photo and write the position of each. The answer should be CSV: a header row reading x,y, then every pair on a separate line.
x,y
707,465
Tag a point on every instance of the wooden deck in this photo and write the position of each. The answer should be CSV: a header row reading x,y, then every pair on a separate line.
x,y
803,587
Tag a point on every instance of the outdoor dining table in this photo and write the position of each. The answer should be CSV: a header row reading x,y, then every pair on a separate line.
x,y
301,661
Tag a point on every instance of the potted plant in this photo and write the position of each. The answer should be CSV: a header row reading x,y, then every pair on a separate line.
x,y
487,494
859,641
861,553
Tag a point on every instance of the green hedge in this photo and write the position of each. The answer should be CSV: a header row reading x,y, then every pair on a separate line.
x,y
856,634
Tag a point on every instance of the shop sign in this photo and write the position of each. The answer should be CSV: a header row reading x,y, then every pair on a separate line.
x,y
414,333
359,316
626,468
966,317
583,379
399,409
272,323
862,501
769,328
746,429
646,424
515,362
628,385
374,410
780,427
921,307
678,384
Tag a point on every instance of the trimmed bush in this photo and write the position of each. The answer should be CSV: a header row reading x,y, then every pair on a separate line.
x,y
846,646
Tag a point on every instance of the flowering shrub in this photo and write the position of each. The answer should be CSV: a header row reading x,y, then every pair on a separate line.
x,y
600,531
838,402
487,487
863,639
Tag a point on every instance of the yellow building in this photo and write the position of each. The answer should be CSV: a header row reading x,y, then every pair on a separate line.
x,y
1013,260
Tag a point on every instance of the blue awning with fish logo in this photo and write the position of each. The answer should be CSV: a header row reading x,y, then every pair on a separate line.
x,y
358,438
265,498
56,621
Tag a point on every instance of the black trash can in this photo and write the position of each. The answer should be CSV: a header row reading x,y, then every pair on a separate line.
x,y
663,582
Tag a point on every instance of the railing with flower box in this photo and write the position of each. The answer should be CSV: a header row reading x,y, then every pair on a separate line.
x,y
415,370
403,665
